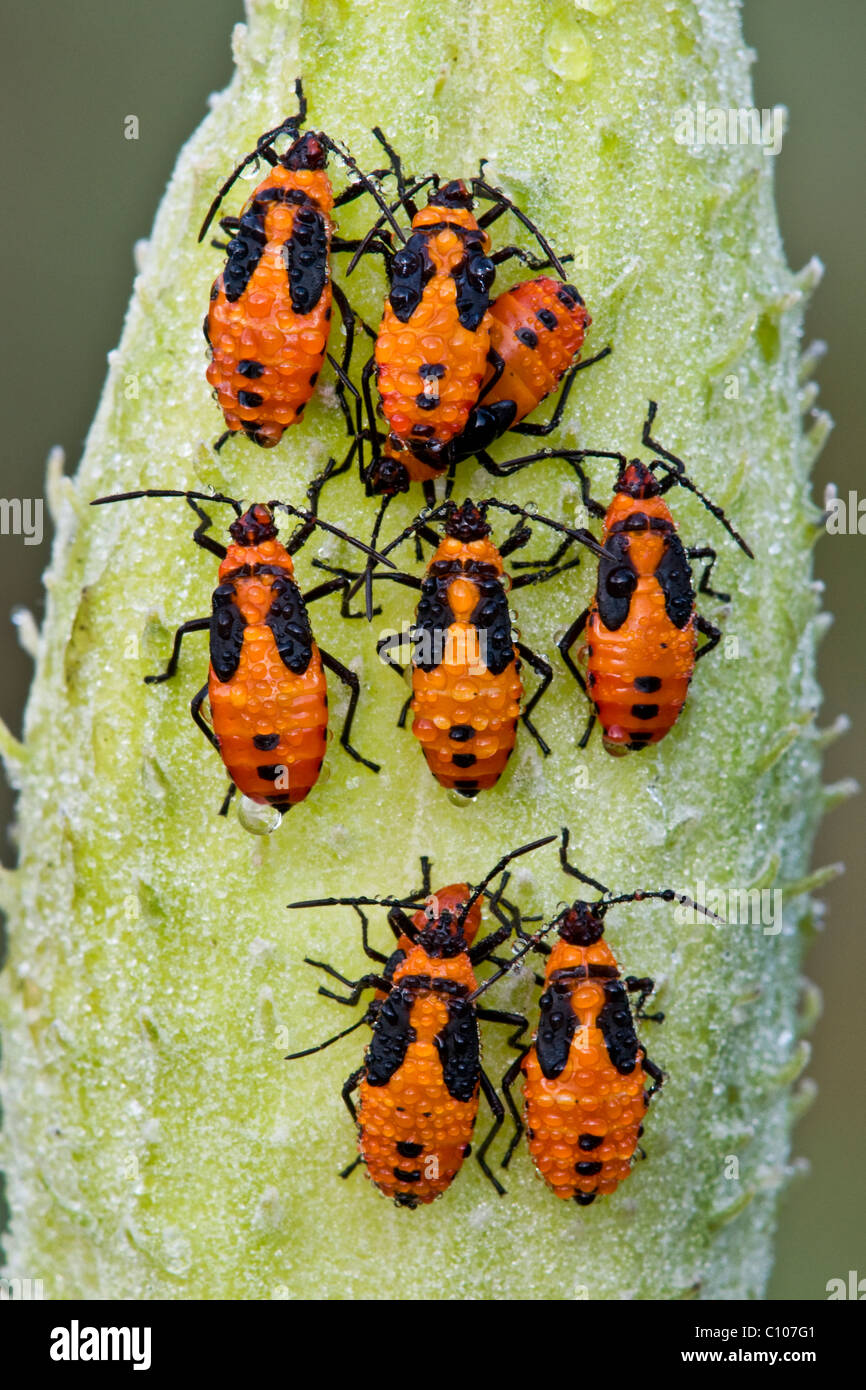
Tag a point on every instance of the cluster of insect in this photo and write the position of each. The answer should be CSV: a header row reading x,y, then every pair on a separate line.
x,y
455,369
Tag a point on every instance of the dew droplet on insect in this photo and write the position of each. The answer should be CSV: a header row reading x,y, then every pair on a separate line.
x,y
567,51
460,799
258,819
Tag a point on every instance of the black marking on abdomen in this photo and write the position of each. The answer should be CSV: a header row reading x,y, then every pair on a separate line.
x,y
556,1025
306,257
287,618
568,296
249,400
675,578
461,733
644,711
392,1035
617,1028
588,1142
269,772
548,318
407,1150
459,1050
585,1199
227,626
431,369
425,402
473,278
402,1175
411,269
464,759
265,742
617,580
249,368
647,685
587,1170
527,337
245,252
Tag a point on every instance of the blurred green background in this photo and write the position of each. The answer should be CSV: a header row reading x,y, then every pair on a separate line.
x,y
79,195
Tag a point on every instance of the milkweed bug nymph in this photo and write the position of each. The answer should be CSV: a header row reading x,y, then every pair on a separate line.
x,y
466,663
419,1085
266,686
269,318
585,1072
642,625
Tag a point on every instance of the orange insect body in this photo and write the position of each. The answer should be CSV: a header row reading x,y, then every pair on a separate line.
x,y
431,349
270,721
414,1133
270,310
641,637
466,695
537,330
585,1073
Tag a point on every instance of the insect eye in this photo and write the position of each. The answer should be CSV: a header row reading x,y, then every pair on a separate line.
x,y
620,582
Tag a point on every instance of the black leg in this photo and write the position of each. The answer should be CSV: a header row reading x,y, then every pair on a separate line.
x,y
483,189
507,253
706,552
384,648
498,1116
227,800
543,669
199,534
508,1081
369,951
349,1085
655,1072
497,362
643,987
351,680
218,443
198,718
710,631
540,574
567,641
366,982
349,1170
482,949
194,625
404,711
515,1021
571,869
516,539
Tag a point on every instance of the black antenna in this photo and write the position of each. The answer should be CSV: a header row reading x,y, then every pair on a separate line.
x,y
497,868
290,125
170,492
676,469
320,1047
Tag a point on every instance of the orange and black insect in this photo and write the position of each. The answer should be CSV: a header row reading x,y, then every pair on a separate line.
x,y
437,340
266,686
585,1072
419,1085
269,317
642,626
466,663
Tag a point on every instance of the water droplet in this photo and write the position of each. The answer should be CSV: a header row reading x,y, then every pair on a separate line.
x,y
600,8
256,818
460,798
567,51
531,508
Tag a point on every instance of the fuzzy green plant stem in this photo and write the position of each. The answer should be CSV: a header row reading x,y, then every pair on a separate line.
x,y
156,1143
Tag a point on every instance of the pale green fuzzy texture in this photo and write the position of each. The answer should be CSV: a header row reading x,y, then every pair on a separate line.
x,y
157,1145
